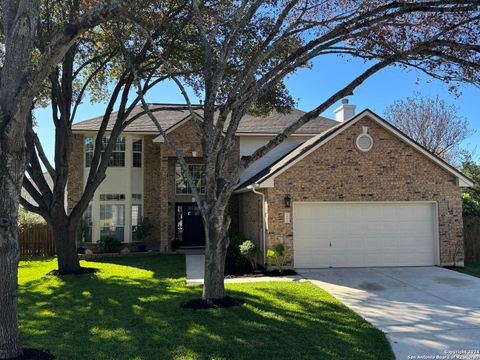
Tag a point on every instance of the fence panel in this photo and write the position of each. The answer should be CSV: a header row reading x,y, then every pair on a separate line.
x,y
36,240
471,235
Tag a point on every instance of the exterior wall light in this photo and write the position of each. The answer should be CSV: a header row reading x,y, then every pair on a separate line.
x,y
288,201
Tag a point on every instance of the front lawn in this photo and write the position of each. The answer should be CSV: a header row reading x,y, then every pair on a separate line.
x,y
131,310
472,268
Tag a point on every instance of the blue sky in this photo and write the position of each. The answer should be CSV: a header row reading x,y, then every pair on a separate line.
x,y
312,86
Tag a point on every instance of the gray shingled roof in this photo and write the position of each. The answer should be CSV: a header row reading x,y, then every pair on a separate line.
x,y
271,124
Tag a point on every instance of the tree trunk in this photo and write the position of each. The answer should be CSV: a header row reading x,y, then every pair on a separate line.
x,y
9,334
216,236
65,241
10,185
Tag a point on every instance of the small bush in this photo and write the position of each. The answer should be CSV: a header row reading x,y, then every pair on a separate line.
x,y
250,251
235,263
176,244
109,245
144,228
277,256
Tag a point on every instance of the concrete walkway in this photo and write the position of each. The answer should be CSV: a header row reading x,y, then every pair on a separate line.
x,y
425,311
195,269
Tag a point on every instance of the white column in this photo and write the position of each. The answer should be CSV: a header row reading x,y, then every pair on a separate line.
x,y
96,217
128,188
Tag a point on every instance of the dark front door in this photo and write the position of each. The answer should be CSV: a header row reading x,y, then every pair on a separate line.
x,y
189,229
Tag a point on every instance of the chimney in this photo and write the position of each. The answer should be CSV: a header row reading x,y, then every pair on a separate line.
x,y
345,111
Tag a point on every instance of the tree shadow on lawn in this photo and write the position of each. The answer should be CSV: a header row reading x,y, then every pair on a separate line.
x,y
131,310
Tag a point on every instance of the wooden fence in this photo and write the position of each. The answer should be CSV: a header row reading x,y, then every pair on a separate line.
x,y
36,240
472,238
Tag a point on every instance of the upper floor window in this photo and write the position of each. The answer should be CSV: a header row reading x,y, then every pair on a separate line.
x,y
88,144
117,158
137,153
198,174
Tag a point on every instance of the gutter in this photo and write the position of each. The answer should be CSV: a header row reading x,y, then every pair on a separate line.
x,y
263,240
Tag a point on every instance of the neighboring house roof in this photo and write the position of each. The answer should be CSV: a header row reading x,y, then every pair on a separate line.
x,y
169,117
265,177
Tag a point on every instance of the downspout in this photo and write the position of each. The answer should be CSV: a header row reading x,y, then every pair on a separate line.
x,y
263,240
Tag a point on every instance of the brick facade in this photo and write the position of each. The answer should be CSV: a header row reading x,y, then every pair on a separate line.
x,y
250,222
337,171
75,172
391,171
159,181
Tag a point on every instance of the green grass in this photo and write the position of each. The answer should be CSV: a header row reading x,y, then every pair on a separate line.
x,y
131,310
472,268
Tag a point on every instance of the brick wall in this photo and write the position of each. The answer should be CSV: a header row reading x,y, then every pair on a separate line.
x,y
152,189
250,221
391,171
75,172
159,178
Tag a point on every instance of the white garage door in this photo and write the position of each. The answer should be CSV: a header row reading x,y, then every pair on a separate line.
x,y
363,234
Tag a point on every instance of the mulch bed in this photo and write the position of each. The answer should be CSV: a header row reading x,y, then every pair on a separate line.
x,y
34,354
260,273
200,304
82,271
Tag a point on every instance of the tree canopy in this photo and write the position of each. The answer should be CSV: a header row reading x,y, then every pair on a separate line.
x,y
433,123
246,49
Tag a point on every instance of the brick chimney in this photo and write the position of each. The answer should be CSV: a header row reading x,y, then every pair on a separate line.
x,y
345,111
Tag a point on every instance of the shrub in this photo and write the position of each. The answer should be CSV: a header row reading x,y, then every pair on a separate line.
x,y
27,218
144,228
278,256
235,263
250,251
83,231
176,244
109,245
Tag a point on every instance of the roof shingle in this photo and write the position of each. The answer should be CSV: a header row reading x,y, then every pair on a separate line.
x,y
169,116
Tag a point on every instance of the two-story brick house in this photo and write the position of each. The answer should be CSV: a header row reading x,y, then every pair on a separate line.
x,y
354,191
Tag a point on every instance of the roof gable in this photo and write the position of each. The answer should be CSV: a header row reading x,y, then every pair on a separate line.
x,y
266,177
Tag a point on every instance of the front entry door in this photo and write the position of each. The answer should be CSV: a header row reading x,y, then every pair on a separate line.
x,y
189,225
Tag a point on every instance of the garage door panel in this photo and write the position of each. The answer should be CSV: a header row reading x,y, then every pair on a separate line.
x,y
344,243
384,259
418,243
343,260
312,259
314,244
373,243
363,234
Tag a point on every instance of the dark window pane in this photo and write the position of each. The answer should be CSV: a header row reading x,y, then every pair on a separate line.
x,y
110,197
137,146
137,159
88,159
117,159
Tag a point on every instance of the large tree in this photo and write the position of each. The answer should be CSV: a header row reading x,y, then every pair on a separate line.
x,y
433,123
247,49
91,66
471,196
23,71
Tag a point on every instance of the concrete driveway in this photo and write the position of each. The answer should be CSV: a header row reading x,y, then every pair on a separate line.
x,y
424,311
